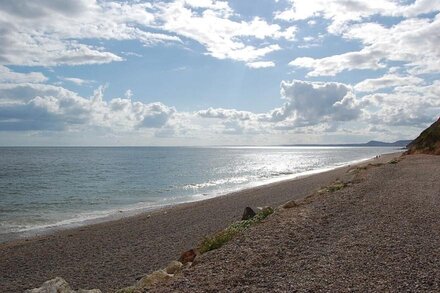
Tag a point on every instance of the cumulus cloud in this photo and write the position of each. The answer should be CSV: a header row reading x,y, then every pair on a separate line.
x,y
46,107
306,104
226,114
307,108
311,103
411,106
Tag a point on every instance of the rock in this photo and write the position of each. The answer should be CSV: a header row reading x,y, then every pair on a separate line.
x,y
59,285
154,278
174,267
131,289
290,204
188,256
248,214
262,208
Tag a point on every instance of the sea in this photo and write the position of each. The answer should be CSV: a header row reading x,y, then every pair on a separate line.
x,y
47,188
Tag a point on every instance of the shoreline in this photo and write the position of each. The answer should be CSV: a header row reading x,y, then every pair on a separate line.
x,y
137,209
113,254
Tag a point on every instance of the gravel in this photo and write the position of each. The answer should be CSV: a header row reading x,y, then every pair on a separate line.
x,y
381,233
115,254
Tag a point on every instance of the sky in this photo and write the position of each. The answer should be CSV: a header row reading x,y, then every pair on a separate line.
x,y
206,72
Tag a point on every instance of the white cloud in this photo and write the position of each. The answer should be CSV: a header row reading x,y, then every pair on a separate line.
x,y
220,6
330,66
30,106
387,81
46,107
51,33
412,105
288,34
309,108
33,48
77,81
260,64
311,103
9,76
24,92
420,7
342,13
221,113
413,42
306,104
222,37
47,33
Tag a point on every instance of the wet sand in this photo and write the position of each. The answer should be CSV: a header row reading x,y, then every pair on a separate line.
x,y
114,254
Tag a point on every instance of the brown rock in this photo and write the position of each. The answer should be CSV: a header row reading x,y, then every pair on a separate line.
x,y
290,204
188,256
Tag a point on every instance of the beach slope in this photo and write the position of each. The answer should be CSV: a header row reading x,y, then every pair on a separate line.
x,y
380,233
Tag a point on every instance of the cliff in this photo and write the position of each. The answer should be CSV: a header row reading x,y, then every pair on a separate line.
x,y
428,142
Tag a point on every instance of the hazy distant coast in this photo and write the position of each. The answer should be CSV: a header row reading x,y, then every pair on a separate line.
x,y
371,143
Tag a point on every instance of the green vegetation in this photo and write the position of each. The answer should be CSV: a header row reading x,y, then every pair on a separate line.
x,y
219,239
428,142
335,186
393,161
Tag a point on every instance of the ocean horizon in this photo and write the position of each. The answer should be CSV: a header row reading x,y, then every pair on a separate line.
x,y
46,188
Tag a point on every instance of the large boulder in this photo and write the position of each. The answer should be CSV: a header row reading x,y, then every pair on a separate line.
x,y
248,213
59,285
290,204
153,279
174,267
188,256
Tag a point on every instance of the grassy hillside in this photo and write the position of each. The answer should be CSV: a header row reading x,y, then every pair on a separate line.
x,y
428,141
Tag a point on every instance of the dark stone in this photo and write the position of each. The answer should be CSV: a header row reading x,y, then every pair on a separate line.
x,y
188,256
248,214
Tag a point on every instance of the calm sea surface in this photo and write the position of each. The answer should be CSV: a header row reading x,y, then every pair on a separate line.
x,y
42,188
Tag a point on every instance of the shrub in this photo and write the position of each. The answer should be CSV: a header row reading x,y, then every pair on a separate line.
x,y
219,239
